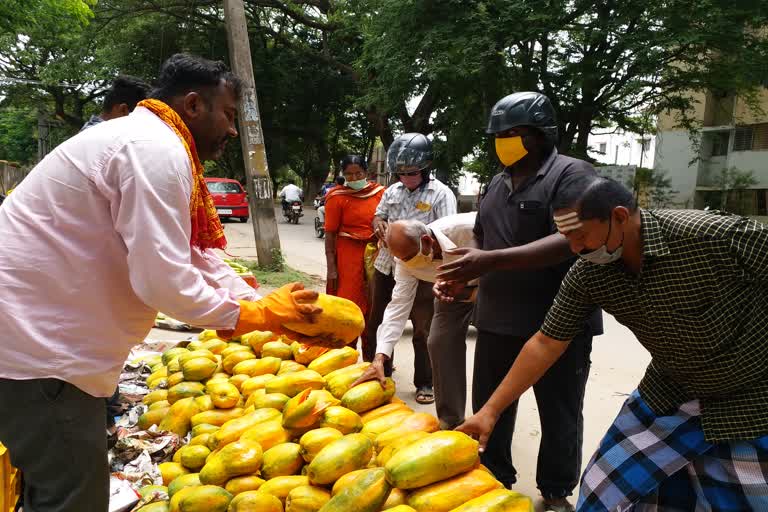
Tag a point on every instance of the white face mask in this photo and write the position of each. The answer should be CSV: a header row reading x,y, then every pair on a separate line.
x,y
420,260
601,256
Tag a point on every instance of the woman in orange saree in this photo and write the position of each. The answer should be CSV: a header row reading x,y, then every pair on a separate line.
x,y
349,211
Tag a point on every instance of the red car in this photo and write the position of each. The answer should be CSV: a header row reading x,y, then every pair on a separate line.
x,y
229,197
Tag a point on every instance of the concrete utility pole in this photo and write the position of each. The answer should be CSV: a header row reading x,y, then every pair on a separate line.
x,y
259,184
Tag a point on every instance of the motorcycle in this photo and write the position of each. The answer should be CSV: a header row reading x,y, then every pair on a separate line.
x,y
294,212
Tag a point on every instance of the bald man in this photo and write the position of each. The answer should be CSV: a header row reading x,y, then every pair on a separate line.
x,y
419,249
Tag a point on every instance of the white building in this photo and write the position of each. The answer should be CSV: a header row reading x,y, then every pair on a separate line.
x,y
617,147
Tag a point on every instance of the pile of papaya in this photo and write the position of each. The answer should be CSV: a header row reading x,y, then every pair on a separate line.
x,y
272,425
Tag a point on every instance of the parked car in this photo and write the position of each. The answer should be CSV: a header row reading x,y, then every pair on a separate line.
x,y
229,197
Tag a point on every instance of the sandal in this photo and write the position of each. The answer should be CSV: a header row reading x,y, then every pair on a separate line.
x,y
425,395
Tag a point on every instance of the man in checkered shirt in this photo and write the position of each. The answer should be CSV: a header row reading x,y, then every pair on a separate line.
x,y
416,196
693,287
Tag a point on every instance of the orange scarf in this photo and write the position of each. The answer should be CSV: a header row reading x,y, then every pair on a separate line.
x,y
207,231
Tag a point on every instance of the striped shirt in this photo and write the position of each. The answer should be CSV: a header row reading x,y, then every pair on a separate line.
x,y
699,306
427,203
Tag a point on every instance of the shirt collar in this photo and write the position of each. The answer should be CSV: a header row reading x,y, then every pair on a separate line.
x,y
545,167
654,243
446,244
429,186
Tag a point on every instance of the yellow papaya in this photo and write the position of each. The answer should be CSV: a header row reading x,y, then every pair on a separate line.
x,y
149,489
238,380
366,494
193,456
200,440
368,395
170,471
349,453
204,498
204,428
306,498
198,368
282,460
380,425
342,419
303,410
255,501
234,347
281,486
159,374
448,494
172,353
385,453
175,378
239,458
182,481
178,418
244,483
162,404
292,384
271,400
253,396
254,367
252,384
223,394
185,390
499,500
420,421
207,334
215,346
257,339
194,354
158,506
204,403
400,508
216,417
315,440
334,360
155,396
236,357
233,429
383,410
437,457
276,349
267,434
338,382
305,354
324,396
290,366
340,323
346,480
152,417
396,498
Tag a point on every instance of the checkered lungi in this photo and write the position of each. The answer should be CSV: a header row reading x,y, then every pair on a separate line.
x,y
650,463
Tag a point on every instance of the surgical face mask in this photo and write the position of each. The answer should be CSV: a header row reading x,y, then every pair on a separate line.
x,y
510,150
601,256
420,260
357,184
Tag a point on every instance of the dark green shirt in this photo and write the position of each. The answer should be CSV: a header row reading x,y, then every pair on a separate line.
x,y
699,306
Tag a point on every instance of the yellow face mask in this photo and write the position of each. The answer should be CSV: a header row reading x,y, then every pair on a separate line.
x,y
510,150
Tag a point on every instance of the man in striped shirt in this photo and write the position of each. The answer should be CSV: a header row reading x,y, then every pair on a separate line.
x,y
693,287
415,196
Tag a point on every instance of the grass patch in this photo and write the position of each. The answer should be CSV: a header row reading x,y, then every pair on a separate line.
x,y
274,278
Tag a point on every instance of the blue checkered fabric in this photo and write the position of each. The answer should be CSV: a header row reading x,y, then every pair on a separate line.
x,y
648,463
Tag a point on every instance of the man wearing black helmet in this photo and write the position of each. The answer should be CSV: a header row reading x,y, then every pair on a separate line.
x,y
521,262
416,196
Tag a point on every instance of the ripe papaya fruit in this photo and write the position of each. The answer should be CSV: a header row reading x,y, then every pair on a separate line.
x,y
290,366
420,421
334,360
233,429
257,339
338,382
152,417
366,494
223,394
267,434
305,354
499,500
155,396
244,483
383,410
306,498
203,498
281,486
448,494
254,367
349,453
268,401
216,417
178,418
368,395
198,368
169,471
340,323
276,349
315,440
282,460
342,419
185,390
239,458
292,384
193,456
380,425
252,384
232,359
385,453
182,481
255,501
396,498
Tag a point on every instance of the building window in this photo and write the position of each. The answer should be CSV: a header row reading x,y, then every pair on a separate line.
x,y
603,147
753,137
720,143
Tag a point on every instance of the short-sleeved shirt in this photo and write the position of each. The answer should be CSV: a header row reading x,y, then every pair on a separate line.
x,y
515,302
699,306
429,202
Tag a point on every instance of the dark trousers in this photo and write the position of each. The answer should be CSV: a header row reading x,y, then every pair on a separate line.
x,y
421,317
56,435
559,396
448,353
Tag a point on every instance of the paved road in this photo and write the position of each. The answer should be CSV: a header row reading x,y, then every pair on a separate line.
x,y
618,361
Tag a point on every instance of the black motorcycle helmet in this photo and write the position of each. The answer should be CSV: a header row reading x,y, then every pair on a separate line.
x,y
524,109
410,150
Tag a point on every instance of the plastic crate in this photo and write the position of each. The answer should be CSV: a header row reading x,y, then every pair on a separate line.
x,y
11,480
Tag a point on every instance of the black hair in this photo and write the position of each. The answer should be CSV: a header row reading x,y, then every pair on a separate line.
x,y
291,181
353,160
125,89
595,197
183,73
340,180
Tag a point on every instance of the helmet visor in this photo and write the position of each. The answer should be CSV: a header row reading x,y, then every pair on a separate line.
x,y
400,159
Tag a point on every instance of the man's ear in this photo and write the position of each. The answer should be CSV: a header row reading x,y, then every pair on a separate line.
x,y
621,214
193,104
123,110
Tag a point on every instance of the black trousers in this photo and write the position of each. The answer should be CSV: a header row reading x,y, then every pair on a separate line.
x,y
559,396
421,317
56,435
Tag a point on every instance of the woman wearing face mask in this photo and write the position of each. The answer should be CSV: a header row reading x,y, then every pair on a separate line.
x,y
349,211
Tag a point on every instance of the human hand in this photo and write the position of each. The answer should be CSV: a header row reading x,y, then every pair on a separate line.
x,y
332,280
374,372
472,264
479,427
380,229
448,291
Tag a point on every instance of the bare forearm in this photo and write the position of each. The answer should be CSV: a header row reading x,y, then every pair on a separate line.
x,y
330,249
537,356
541,253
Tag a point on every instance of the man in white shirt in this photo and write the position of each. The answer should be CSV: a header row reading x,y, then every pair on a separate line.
x,y
419,249
112,226
290,193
